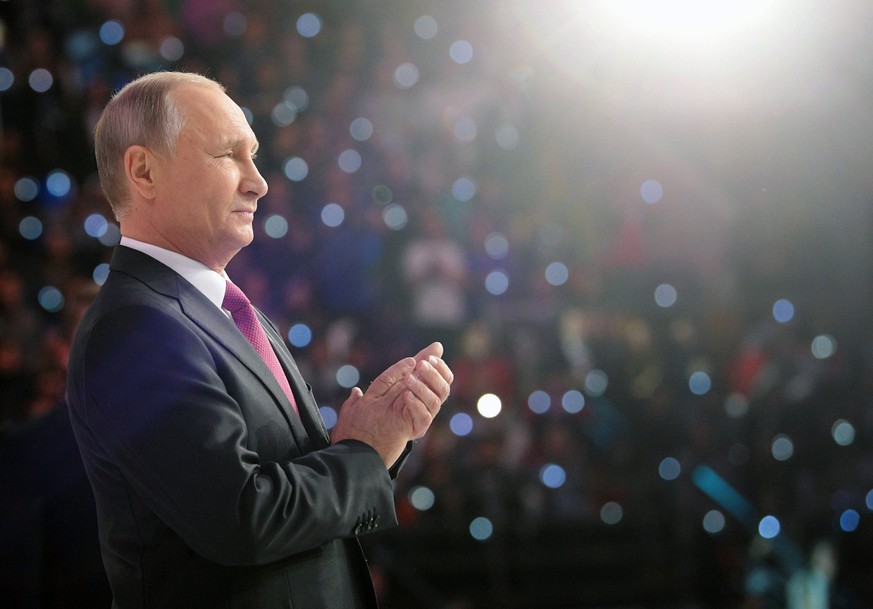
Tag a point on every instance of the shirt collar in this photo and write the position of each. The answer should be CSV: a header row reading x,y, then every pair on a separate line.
x,y
209,282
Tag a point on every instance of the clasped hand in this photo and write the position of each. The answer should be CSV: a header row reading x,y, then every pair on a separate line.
x,y
398,406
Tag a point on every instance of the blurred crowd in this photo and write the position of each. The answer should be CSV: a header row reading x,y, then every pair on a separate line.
x,y
412,199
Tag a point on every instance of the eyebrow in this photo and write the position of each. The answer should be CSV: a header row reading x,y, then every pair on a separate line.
x,y
234,143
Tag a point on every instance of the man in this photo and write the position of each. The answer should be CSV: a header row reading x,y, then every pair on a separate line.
x,y
216,482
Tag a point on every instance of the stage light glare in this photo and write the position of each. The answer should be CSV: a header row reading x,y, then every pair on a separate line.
x,y
489,405
690,19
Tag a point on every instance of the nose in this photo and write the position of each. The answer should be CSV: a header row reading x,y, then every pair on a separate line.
x,y
254,183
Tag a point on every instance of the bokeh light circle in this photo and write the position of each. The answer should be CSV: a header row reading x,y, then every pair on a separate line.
x,y
651,191
769,527
553,476
421,498
333,215
539,402
395,216
573,401
714,522
823,346
497,282
489,405
275,226
426,27
665,295
611,513
843,432
596,382
557,273
461,424
329,415
783,311
300,335
30,228
782,448
347,376
496,246
669,468
309,25
481,528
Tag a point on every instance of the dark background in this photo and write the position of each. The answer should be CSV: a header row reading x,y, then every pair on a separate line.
x,y
757,136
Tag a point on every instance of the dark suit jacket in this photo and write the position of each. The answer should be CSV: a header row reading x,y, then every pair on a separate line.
x,y
211,491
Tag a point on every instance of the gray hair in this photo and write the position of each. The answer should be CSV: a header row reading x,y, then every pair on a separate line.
x,y
142,113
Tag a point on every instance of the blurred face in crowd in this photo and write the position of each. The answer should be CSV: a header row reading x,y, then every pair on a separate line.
x,y
206,191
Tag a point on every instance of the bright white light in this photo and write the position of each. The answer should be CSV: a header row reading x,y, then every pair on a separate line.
x,y
489,405
700,20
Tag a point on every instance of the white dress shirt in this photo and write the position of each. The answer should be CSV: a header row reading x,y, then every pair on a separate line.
x,y
211,283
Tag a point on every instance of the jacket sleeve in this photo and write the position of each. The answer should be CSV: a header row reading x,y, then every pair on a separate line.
x,y
148,389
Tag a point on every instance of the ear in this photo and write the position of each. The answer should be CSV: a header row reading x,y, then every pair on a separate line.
x,y
139,167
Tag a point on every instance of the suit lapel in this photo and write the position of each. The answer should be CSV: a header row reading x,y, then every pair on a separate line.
x,y
211,320
306,403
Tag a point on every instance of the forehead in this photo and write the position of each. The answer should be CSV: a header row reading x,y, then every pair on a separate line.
x,y
208,113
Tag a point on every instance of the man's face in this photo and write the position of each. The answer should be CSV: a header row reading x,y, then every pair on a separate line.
x,y
208,189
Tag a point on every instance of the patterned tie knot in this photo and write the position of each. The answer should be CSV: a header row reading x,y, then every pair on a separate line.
x,y
234,298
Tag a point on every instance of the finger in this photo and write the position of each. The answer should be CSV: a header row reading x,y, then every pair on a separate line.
x,y
417,415
442,368
432,397
354,396
435,349
391,376
432,374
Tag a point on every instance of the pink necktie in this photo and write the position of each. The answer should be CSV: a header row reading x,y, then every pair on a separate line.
x,y
243,314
